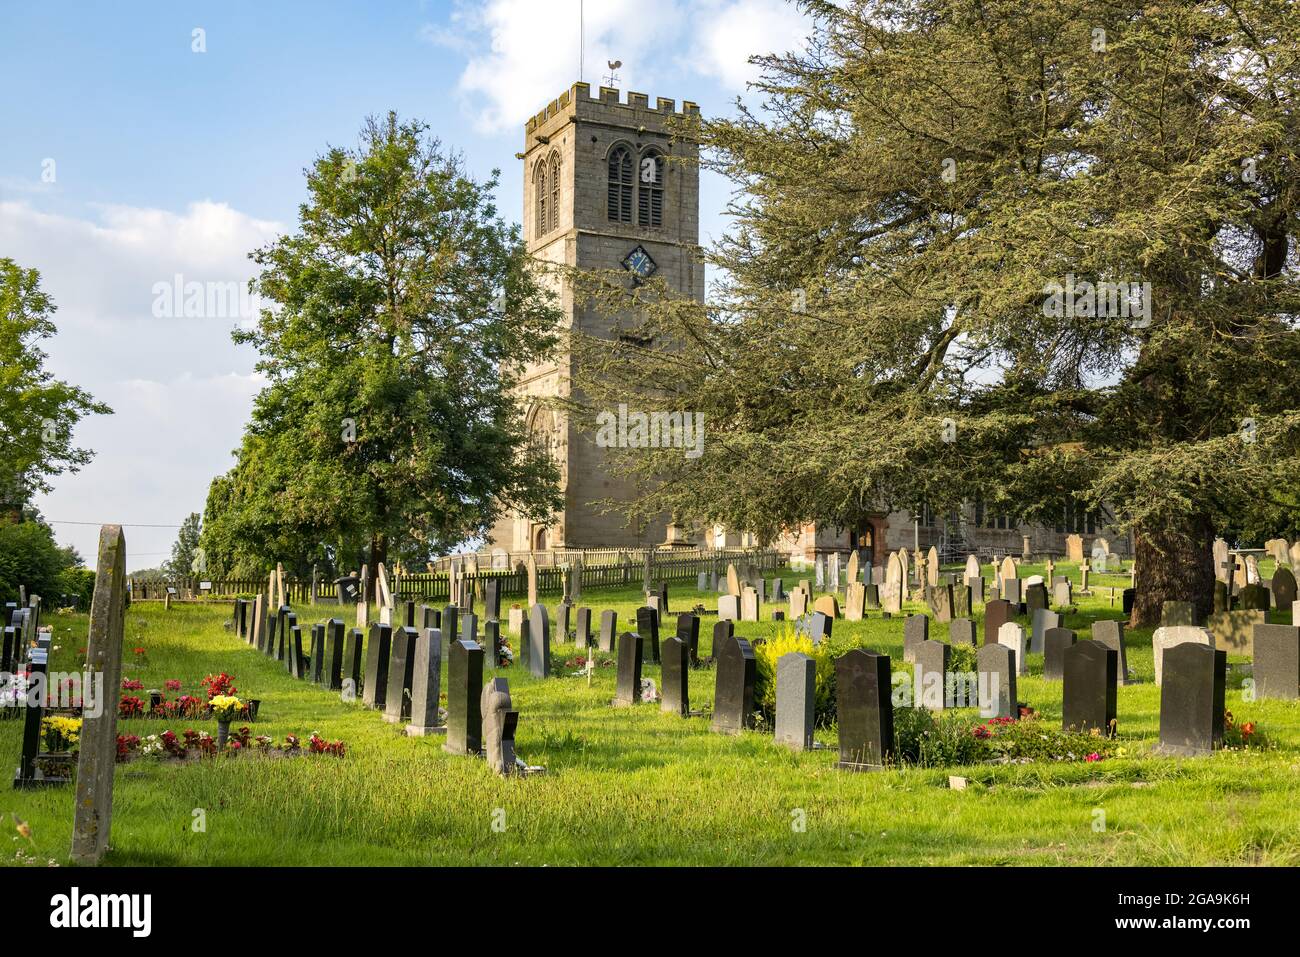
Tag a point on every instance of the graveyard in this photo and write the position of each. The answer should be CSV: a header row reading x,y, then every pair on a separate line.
x,y
635,783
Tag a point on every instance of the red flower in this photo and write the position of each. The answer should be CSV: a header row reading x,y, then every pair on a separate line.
x,y
1093,757
139,651
172,684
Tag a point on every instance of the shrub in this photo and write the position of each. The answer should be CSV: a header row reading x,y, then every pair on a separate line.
x,y
771,651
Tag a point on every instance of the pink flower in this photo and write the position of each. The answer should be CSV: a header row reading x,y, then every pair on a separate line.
x,y
1093,757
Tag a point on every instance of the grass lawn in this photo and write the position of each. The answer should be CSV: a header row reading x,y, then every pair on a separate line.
x,y
634,786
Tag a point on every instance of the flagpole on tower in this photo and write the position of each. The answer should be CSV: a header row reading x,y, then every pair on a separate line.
x,y
582,41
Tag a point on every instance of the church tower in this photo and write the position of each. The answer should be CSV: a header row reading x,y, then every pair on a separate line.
x,y
607,185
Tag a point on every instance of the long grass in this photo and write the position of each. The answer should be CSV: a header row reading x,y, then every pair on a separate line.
x,y
634,786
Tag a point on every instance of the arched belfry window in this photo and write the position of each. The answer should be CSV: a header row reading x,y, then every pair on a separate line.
x,y
650,189
541,198
620,185
555,192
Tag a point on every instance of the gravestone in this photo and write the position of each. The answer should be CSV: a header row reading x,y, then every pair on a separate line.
x,y
500,722
1110,633
977,593
1041,620
972,568
852,570
855,601
733,690
491,601
1277,661
563,621
996,668
723,632
1010,590
996,614
1175,614
1056,641
729,607
1129,596
1234,631
702,582
1090,675
293,662
1192,698
1007,570
941,601
864,709
819,627
469,627
1062,594
93,804
1012,634
798,604
895,585
627,685
1164,639
1253,597
353,663
796,699
449,621
961,631
8,657
676,667
778,590
1035,596
491,643
688,632
538,641
401,675
647,627
733,581
608,630
871,594
317,660
916,629
331,676
378,650
749,604
582,629
430,618
464,714
961,601
408,614
931,669
828,605
1283,587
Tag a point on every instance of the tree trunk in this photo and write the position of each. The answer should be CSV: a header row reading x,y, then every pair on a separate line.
x,y
1174,563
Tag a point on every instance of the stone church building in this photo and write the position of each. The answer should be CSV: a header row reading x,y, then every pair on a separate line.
x,y
607,185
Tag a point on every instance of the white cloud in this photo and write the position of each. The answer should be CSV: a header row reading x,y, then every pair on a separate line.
x,y
180,389
521,54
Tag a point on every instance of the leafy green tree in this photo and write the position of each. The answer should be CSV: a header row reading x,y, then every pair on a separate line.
x,y
188,558
900,319
37,411
30,556
401,315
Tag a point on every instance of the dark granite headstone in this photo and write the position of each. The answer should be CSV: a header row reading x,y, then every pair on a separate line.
x,y
469,627
865,710
492,600
796,700
608,630
317,652
1129,596
8,649
675,696
873,595
931,670
1036,596
538,641
401,675
1088,689
723,632
733,691
426,684
647,626
332,659
582,629
627,687
1191,699
563,621
961,631
1276,668
449,624
353,663
688,632
996,614
430,618
996,677
819,627
408,614
464,686
916,629
491,643
294,658
378,650
1055,642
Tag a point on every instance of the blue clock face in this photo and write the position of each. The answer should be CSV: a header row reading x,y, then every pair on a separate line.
x,y
639,263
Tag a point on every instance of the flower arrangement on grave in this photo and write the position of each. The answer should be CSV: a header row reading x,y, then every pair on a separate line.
x,y
172,684
61,732
130,706
318,745
131,684
1244,734
225,708
126,743
219,685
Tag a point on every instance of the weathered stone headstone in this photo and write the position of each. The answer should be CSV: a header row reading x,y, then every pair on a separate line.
x,y
1283,587
796,698
916,629
729,607
1253,597
1012,634
532,580
1234,631
931,669
378,650
627,685
852,570
608,630
1056,641
500,722
828,605
976,590
1035,595
539,642
872,595
961,600
582,628
1110,633
464,684
733,581
798,604
749,604
733,693
996,668
1011,591
676,667
1192,698
1174,614
865,710
961,631
401,675
972,568
1041,620
855,601
819,627
93,805
941,601
1164,639
1090,674
491,600
1276,668
996,614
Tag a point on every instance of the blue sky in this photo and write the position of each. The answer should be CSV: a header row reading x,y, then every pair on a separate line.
x,y
128,158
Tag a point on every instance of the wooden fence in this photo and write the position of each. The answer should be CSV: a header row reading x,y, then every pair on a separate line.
x,y
629,567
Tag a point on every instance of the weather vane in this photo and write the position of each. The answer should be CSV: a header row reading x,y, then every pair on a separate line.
x,y
612,79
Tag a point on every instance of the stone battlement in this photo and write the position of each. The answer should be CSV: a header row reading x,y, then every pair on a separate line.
x,y
578,99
